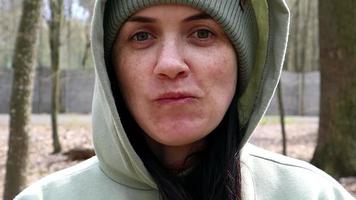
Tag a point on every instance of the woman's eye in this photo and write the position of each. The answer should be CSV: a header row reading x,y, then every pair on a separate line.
x,y
141,36
203,34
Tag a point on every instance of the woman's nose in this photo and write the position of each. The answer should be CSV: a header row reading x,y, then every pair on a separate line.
x,y
171,63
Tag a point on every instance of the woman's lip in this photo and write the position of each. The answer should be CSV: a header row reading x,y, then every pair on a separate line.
x,y
175,97
181,100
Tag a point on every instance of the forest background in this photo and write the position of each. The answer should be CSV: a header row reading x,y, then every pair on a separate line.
x,y
302,60
74,34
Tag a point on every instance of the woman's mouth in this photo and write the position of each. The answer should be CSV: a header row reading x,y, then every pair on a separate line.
x,y
175,98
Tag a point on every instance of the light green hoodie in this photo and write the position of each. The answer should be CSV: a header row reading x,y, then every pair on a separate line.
x,y
117,173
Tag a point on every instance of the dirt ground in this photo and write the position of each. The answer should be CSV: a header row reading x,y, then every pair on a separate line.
x,y
75,133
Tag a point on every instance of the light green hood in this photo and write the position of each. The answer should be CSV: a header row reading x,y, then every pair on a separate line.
x,y
117,157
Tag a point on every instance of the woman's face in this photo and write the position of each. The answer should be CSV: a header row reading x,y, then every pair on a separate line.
x,y
177,72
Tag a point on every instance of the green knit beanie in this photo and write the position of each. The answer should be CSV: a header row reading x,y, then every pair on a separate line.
x,y
236,18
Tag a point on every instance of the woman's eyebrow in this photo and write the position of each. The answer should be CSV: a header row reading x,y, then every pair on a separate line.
x,y
142,19
198,16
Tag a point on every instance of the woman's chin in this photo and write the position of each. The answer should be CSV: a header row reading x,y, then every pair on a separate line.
x,y
179,136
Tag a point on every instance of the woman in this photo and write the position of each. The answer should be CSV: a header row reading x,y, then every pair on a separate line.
x,y
180,87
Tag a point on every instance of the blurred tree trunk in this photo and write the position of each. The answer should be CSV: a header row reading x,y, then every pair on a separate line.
x,y
21,97
302,45
303,49
336,148
87,46
304,54
281,115
55,43
299,45
68,26
88,6
296,37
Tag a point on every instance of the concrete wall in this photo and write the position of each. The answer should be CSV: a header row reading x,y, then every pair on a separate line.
x,y
76,91
5,90
292,98
77,88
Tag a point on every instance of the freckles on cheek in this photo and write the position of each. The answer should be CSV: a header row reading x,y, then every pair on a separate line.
x,y
224,69
132,73
224,79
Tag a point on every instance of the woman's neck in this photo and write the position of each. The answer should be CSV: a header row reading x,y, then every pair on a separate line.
x,y
176,158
